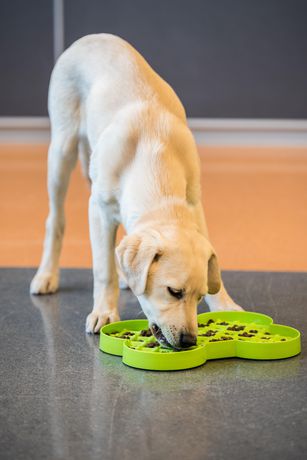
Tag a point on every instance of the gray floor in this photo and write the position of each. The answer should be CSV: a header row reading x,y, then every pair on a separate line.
x,y
61,398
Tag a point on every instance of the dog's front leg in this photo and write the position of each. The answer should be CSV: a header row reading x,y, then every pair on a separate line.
x,y
103,233
222,301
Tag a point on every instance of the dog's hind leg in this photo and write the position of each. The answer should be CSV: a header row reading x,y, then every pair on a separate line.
x,y
84,157
62,157
64,111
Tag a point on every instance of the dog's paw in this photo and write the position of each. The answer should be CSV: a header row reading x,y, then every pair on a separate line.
x,y
44,283
227,306
234,307
96,319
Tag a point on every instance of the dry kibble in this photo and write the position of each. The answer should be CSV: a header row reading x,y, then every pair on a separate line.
x,y
152,345
210,321
236,328
146,333
246,334
209,333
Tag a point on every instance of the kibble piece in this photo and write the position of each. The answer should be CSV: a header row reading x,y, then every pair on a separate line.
x,y
210,321
146,333
221,339
236,328
152,345
200,325
282,340
253,331
267,333
223,323
246,334
209,333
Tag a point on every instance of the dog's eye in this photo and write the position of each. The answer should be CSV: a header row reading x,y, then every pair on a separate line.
x,y
178,293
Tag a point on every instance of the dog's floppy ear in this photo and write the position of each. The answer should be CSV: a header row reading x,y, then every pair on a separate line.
x,y
214,275
135,254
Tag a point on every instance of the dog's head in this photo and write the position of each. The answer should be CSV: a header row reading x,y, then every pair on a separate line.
x,y
170,270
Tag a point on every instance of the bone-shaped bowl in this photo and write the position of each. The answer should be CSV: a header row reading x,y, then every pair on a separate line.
x,y
220,335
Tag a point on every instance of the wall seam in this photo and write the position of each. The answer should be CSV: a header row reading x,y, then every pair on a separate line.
x,y
58,28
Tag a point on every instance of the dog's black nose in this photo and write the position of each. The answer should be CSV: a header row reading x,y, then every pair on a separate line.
x,y
187,340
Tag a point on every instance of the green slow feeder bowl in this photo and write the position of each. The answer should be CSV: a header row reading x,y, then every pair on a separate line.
x,y
220,335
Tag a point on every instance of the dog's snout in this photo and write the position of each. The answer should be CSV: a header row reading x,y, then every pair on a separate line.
x,y
187,340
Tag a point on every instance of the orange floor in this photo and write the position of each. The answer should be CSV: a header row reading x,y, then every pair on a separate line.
x,y
255,202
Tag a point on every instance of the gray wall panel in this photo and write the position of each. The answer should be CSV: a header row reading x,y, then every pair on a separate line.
x,y
26,56
225,58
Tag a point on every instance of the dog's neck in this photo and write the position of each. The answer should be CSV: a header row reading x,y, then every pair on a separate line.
x,y
161,196
170,211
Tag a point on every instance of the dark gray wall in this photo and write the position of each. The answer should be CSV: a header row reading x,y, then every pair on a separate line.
x,y
26,56
225,58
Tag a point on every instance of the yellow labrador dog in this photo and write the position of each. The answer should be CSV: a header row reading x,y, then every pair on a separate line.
x,y
129,127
